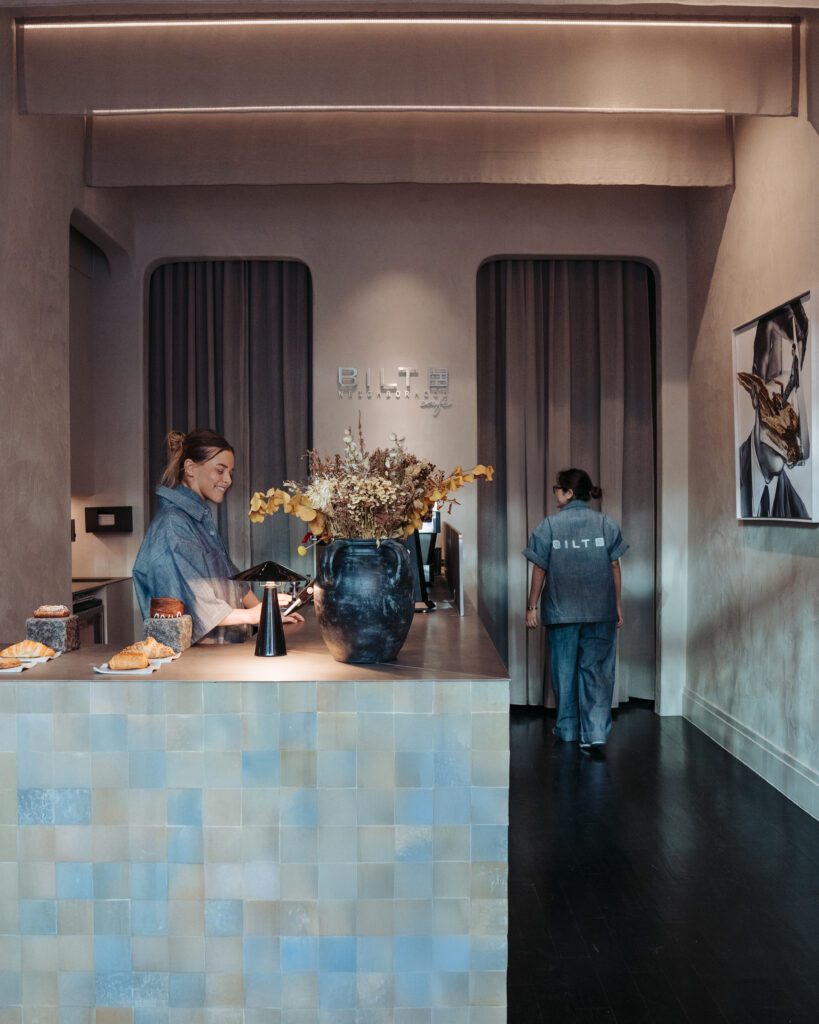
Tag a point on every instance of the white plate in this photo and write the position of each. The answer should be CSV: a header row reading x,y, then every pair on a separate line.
x,y
19,668
164,661
105,671
41,661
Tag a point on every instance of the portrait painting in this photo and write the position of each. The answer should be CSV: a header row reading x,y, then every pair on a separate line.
x,y
773,415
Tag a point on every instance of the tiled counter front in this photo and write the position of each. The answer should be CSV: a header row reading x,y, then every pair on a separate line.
x,y
259,852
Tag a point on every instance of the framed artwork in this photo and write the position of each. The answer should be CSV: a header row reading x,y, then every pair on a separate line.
x,y
774,424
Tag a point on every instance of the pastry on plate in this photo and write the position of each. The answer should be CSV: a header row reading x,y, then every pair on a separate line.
x,y
52,611
10,663
127,661
27,649
166,608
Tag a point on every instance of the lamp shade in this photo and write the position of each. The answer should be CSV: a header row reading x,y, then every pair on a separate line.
x,y
270,642
268,572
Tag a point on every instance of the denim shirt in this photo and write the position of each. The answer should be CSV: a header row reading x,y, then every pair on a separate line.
x,y
575,547
184,556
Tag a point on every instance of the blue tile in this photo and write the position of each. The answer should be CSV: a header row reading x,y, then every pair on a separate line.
x,y
453,768
261,880
260,768
75,881
260,732
489,953
336,768
149,880
414,880
75,988
223,917
112,953
112,880
147,769
112,917
490,842
149,1015
35,732
489,806
185,846
186,990
260,698
451,952
374,953
414,769
263,991
298,808
38,917
260,954
221,698
298,954
146,732
149,917
72,806
412,952
109,732
297,730
35,769
337,991
10,988
453,732
184,807
35,806
150,988
113,989
338,881
451,805
413,842
337,953
413,807
412,989
414,732
222,732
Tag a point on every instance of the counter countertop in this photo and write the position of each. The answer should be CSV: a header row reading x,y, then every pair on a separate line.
x,y
81,584
441,645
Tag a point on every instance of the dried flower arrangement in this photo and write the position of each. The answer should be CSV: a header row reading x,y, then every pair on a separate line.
x,y
361,495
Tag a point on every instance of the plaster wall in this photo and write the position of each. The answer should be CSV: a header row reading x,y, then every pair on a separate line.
x,y
41,161
753,595
394,270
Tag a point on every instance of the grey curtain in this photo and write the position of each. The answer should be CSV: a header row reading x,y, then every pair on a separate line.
x,y
565,378
230,347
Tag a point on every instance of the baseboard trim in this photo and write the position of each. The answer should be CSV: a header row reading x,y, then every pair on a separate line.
x,y
793,779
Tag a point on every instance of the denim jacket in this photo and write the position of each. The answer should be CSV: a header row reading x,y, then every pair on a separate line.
x,y
184,556
575,547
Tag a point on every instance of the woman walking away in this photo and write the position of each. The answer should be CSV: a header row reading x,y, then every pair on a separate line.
x,y
576,554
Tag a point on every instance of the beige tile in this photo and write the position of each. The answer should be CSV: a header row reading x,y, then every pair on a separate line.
x,y
186,918
41,1015
148,843
337,917
10,953
375,917
110,769
74,842
224,989
75,952
110,806
113,1015
146,807
8,769
75,917
39,952
11,1015
110,843
222,807
223,844
9,879
39,988
186,882
37,880
261,917
186,954
8,841
9,917
8,802
36,842
223,955
151,952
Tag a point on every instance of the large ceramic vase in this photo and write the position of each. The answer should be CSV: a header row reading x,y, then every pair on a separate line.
x,y
364,599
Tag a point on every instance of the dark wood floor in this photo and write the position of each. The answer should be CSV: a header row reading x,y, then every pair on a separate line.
x,y
667,884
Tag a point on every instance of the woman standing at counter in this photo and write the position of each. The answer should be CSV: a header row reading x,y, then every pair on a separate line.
x,y
183,554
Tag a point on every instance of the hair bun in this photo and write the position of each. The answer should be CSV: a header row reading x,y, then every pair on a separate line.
x,y
175,441
596,493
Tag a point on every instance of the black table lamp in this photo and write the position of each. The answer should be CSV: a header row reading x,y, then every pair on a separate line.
x,y
270,640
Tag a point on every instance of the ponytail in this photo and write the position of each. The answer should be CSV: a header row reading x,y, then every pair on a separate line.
x,y
579,483
200,445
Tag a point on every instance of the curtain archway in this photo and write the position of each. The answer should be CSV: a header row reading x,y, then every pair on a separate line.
x,y
566,377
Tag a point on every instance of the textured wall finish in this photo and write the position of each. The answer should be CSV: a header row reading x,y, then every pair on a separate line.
x,y
753,596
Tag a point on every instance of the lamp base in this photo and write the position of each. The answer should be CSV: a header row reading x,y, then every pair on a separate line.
x,y
270,641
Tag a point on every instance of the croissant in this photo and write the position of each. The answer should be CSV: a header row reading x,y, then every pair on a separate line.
x,y
126,661
52,611
152,648
27,649
10,663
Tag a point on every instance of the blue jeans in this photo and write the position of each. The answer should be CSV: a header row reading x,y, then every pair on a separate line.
x,y
581,656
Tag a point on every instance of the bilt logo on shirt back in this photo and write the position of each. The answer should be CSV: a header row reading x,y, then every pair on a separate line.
x,y
578,545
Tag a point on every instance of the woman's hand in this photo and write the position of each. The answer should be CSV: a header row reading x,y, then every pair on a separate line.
x,y
293,617
532,618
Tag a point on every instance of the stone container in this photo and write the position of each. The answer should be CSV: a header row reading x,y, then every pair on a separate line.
x,y
61,634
